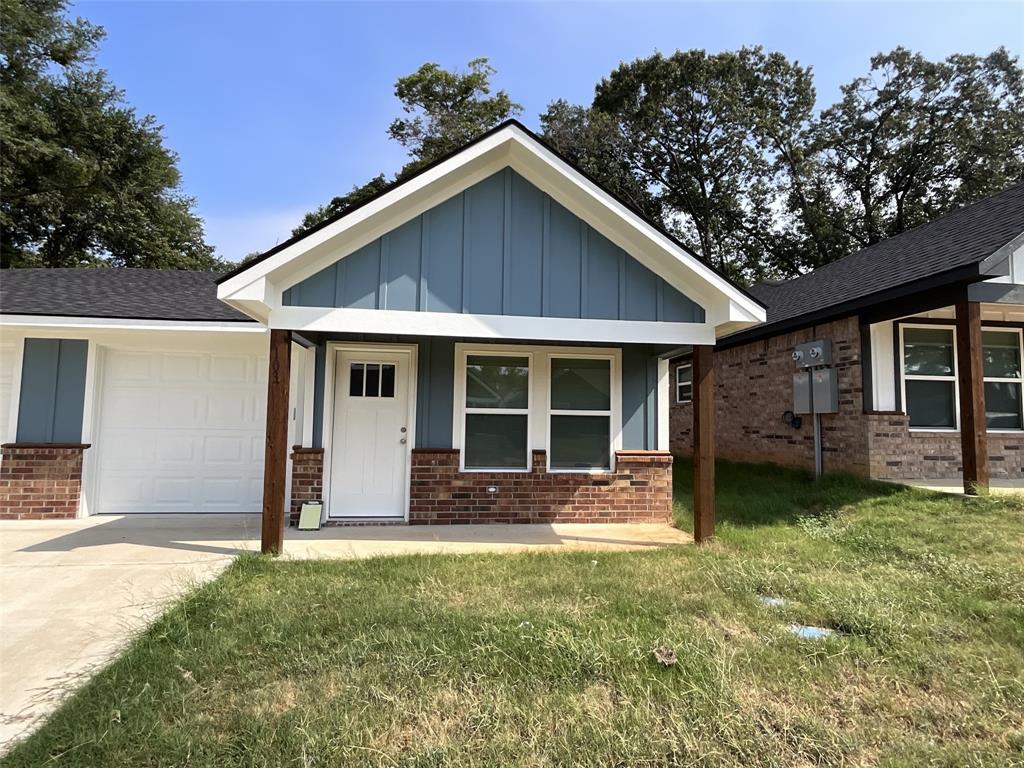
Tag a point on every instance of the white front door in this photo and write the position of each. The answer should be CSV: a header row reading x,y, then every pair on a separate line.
x,y
370,440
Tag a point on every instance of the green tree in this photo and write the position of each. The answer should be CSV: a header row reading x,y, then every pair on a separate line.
x,y
711,135
84,180
915,138
445,110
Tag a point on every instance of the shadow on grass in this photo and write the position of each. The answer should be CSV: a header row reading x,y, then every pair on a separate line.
x,y
751,495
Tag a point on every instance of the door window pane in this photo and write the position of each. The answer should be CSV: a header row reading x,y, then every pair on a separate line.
x,y
1002,405
494,381
580,442
355,380
372,380
495,441
931,403
387,381
928,351
580,384
1000,354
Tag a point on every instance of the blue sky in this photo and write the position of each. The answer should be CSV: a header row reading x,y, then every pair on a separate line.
x,y
276,107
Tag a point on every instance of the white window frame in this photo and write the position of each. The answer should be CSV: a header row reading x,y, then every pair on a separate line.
x,y
549,412
462,410
679,399
954,377
1003,380
539,415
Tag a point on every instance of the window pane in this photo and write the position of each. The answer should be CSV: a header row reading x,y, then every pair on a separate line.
x,y
1000,354
580,442
931,403
928,351
387,381
355,380
1002,405
497,382
684,384
580,384
372,380
495,441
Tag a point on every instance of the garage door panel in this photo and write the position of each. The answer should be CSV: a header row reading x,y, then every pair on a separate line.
x,y
180,431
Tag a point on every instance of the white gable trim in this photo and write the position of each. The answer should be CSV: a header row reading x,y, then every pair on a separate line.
x,y
265,281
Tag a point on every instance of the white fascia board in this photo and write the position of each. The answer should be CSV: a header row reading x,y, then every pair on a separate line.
x,y
416,192
129,324
452,324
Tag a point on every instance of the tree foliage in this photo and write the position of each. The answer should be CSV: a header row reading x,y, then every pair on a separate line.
x,y
445,110
84,179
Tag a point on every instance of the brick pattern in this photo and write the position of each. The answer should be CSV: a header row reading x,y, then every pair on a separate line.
x,y
754,387
307,479
639,490
39,482
899,454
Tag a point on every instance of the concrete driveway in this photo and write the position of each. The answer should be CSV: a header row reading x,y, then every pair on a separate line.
x,y
73,592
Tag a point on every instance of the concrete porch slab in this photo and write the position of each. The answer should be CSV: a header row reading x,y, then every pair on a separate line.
x,y
73,592
956,485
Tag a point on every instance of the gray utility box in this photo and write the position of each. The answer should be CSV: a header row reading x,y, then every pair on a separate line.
x,y
802,393
824,390
813,353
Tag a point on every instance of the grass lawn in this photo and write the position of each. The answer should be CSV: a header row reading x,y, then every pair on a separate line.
x,y
546,659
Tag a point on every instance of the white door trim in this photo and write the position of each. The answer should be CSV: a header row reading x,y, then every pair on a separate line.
x,y
333,348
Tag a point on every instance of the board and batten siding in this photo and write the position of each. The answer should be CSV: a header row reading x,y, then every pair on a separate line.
x,y
501,247
52,399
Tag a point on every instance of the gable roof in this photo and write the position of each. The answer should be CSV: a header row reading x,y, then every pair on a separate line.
x,y
116,293
256,286
968,244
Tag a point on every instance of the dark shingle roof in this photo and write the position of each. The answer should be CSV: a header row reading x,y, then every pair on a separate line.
x,y
959,239
146,294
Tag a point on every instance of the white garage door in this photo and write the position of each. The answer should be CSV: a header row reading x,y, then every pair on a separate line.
x,y
7,352
180,431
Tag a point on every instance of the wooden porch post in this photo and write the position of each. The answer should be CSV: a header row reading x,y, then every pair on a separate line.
x,y
703,442
275,457
973,425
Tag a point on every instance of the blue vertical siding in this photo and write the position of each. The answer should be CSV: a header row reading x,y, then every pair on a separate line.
x,y
501,247
639,398
52,399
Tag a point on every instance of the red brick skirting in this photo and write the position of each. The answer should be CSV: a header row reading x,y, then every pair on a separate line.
x,y
40,481
307,479
639,490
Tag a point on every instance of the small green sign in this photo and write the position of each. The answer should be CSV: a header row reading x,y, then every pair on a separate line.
x,y
309,518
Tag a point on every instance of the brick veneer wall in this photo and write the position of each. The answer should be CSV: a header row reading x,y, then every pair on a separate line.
x,y
307,479
639,490
899,454
754,387
39,482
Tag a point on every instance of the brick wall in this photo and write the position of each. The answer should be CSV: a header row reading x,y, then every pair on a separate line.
x,y
754,387
307,479
639,490
899,454
39,482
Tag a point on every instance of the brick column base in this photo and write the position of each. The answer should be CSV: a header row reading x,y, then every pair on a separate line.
x,y
639,490
40,481
307,479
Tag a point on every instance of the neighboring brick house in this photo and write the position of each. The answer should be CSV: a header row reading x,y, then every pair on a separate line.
x,y
926,333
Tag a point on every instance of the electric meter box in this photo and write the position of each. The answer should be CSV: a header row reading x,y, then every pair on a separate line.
x,y
802,393
813,353
824,390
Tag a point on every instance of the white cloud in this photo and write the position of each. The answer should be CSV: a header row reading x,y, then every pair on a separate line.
x,y
235,237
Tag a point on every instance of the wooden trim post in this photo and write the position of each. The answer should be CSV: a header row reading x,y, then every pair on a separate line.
x,y
703,442
973,424
275,456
